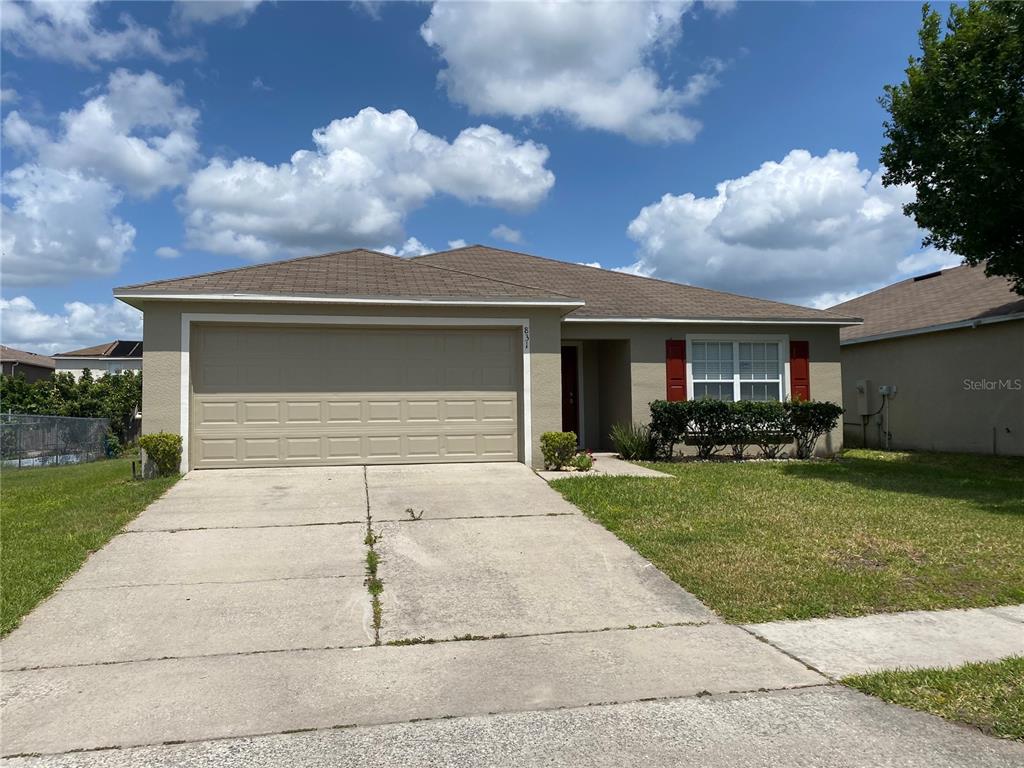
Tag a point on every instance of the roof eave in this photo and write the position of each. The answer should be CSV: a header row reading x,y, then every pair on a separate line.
x,y
839,322
134,298
971,323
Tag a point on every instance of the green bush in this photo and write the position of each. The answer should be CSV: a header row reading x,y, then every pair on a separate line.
x,y
710,426
771,428
558,448
582,461
164,450
634,441
809,420
111,445
669,424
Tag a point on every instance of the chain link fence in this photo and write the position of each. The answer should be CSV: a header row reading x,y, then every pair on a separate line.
x,y
28,440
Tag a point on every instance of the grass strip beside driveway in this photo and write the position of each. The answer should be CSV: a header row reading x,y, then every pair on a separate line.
x,y
871,532
52,518
989,696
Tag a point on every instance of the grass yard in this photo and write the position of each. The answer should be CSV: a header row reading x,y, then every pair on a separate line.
x,y
989,696
870,532
52,518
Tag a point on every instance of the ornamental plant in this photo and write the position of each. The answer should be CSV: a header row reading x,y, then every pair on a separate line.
x,y
164,450
558,448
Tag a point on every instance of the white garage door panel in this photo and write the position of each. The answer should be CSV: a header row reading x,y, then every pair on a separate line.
x,y
267,396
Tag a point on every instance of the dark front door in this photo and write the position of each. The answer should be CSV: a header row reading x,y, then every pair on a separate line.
x,y
570,390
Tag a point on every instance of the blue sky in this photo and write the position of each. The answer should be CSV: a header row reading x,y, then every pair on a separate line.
x,y
730,146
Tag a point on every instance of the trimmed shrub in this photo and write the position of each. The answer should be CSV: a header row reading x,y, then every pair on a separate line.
x,y
742,428
558,448
809,420
669,424
582,462
771,428
710,426
164,450
634,441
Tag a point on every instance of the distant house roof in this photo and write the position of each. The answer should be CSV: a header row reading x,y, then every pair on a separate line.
x,y
932,302
12,355
117,348
477,274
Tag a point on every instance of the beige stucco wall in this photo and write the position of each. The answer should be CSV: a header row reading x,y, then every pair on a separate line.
x,y
647,359
161,396
938,406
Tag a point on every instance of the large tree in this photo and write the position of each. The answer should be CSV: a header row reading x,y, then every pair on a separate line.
x,y
956,133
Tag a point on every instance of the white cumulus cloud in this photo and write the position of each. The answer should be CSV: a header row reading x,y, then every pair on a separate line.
x,y
60,226
167,252
507,234
356,186
185,13
138,134
805,229
591,63
68,31
411,247
80,325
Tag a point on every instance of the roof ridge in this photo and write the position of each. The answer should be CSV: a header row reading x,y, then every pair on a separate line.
x,y
257,266
492,279
629,275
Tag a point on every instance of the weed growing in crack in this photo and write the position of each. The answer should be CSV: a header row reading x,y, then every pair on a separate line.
x,y
413,515
374,584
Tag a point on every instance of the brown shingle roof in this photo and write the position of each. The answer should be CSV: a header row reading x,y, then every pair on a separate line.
x,y
116,348
351,274
950,296
12,355
611,294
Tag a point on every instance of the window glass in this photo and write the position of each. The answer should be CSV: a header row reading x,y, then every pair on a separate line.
x,y
713,391
757,390
712,361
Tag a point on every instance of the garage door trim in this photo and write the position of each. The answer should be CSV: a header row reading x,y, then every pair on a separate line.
x,y
187,318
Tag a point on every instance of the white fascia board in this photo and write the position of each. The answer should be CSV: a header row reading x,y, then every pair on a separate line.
x,y
384,301
716,322
935,328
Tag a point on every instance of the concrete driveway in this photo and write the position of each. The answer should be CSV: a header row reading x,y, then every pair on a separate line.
x,y
235,607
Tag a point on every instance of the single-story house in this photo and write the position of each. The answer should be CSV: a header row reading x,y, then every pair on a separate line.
x,y
28,364
113,357
938,365
464,355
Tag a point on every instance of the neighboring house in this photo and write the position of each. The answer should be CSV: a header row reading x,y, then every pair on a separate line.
x,y
465,355
952,345
112,357
28,364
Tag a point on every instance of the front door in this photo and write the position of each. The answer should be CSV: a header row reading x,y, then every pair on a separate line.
x,y
570,390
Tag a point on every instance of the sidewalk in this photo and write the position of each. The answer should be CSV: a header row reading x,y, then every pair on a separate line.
x,y
917,639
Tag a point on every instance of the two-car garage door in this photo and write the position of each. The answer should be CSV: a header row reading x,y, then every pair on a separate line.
x,y
292,396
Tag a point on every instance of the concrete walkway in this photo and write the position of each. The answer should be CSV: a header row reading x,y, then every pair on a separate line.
x,y
607,464
914,640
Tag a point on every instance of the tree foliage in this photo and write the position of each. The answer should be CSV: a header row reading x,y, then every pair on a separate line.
x,y
956,133
114,396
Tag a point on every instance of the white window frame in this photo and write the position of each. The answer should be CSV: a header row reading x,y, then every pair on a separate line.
x,y
736,339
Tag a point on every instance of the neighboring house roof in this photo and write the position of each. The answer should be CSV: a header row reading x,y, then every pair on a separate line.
x,y
939,300
616,295
112,349
477,274
356,275
12,355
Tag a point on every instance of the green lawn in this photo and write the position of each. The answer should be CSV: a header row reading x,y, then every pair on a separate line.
x,y
52,518
868,533
988,696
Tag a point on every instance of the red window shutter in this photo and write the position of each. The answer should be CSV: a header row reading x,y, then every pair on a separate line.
x,y
675,370
799,370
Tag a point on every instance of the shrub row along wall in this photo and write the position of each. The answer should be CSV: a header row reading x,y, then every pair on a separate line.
x,y
711,426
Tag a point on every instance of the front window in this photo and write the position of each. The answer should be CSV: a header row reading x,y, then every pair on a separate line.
x,y
737,370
